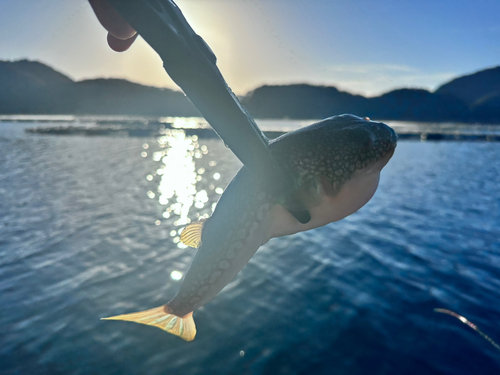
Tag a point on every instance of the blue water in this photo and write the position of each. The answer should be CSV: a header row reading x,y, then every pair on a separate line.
x,y
89,228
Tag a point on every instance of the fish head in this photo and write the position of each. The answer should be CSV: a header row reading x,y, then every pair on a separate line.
x,y
336,149
337,162
353,143
352,140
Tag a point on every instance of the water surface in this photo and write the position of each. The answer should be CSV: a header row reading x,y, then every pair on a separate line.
x,y
89,227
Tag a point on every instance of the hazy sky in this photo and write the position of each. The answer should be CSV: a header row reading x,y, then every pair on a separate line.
x,y
366,47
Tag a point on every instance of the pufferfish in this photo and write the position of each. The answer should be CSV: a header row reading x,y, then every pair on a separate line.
x,y
337,162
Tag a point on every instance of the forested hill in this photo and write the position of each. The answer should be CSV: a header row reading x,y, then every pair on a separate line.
x,y
480,91
34,88
30,87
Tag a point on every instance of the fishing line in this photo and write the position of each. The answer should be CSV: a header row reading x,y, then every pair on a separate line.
x,y
470,324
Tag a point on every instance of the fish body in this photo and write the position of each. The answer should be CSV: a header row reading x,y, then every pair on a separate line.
x,y
337,162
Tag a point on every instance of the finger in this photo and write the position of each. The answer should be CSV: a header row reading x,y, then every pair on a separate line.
x,y
112,21
120,45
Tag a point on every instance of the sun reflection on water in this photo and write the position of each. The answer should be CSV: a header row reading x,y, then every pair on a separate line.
x,y
176,275
186,187
177,187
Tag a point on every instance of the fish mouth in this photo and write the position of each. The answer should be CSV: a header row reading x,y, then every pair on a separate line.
x,y
385,147
393,138
385,159
393,142
385,134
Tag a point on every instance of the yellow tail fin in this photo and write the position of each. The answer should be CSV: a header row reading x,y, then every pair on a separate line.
x,y
162,318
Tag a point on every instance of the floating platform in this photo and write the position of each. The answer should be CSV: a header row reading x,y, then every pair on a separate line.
x,y
153,128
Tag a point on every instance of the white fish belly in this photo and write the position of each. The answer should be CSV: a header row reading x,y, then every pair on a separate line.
x,y
353,195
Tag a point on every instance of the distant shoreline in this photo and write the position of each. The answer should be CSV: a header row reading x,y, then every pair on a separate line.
x,y
134,126
30,87
105,118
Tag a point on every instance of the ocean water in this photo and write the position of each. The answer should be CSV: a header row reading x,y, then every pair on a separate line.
x,y
89,227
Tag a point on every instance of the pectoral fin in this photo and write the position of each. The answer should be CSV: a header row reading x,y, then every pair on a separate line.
x,y
191,235
307,196
302,216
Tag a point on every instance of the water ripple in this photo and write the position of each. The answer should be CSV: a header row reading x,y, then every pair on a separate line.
x,y
81,238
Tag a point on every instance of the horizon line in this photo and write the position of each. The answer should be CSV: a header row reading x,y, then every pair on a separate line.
x,y
305,83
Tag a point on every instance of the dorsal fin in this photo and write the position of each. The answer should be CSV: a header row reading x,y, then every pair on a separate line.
x,y
191,235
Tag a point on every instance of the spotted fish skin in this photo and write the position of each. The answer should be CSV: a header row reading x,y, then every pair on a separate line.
x,y
330,158
337,163
230,237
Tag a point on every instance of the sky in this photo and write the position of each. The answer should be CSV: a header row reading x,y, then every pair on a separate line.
x,y
365,47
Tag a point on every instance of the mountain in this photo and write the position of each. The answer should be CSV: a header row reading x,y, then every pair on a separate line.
x,y
32,87
472,98
306,101
33,73
480,91
118,96
418,105
487,108
473,87
302,101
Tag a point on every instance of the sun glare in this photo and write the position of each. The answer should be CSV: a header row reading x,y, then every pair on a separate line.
x,y
178,174
185,183
176,275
